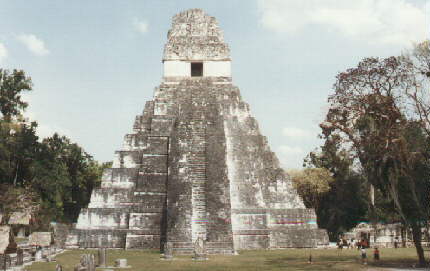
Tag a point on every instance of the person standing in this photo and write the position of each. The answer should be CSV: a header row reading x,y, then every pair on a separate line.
x,y
376,254
363,255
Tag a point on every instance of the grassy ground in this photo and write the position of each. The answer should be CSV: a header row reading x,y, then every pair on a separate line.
x,y
291,259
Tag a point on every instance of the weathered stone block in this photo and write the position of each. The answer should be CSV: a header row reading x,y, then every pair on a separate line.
x,y
151,182
154,163
161,126
142,221
143,241
156,145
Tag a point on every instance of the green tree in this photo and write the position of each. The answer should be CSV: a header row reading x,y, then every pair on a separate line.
x,y
345,204
65,176
311,184
12,85
56,175
18,147
369,113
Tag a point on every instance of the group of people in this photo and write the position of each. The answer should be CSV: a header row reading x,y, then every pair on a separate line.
x,y
364,254
360,245
351,243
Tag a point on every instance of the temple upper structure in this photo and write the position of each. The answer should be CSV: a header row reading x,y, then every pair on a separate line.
x,y
195,47
195,164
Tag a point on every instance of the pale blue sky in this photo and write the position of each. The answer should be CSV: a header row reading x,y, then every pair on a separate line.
x,y
95,63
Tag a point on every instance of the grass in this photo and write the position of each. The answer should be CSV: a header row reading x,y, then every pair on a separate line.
x,y
290,259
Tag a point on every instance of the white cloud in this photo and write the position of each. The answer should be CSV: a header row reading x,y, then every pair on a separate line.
x,y
34,44
387,22
3,52
140,26
295,132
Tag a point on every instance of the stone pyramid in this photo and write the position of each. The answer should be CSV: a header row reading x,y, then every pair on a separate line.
x,y
195,164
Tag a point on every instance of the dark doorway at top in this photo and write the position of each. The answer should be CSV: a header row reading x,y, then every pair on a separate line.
x,y
196,69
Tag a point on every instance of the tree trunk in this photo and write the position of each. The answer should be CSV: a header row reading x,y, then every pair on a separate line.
x,y
416,233
16,174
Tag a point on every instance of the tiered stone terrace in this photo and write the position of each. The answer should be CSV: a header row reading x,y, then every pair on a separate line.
x,y
196,165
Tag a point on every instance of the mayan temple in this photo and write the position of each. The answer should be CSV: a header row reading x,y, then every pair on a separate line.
x,y
195,164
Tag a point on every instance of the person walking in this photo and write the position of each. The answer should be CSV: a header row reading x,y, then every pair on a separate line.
x,y
363,255
396,242
376,254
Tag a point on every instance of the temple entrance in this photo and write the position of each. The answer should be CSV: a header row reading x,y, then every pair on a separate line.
x,y
196,69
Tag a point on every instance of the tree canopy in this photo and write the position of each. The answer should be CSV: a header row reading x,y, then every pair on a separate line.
x,y
379,114
53,175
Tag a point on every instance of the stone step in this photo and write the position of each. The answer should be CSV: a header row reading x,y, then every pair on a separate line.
x,y
200,196
184,248
202,192
198,180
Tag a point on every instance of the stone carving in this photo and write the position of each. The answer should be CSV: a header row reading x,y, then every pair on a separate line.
x,y
121,263
102,257
199,249
58,267
195,36
86,263
168,250
198,135
19,257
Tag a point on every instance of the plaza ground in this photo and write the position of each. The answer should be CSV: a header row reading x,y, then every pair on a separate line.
x,y
289,259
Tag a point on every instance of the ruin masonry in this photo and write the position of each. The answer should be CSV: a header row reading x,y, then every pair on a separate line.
x,y
196,165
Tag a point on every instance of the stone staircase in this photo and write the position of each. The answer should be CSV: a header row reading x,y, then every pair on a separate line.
x,y
197,164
